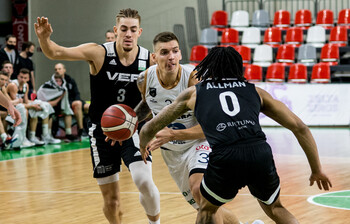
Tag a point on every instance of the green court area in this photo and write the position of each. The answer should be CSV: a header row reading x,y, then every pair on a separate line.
x,y
42,150
340,200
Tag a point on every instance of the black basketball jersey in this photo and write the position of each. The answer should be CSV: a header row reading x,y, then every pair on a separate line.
x,y
116,83
228,112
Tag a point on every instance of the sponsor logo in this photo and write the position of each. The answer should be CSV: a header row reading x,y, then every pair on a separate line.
x,y
113,62
153,92
142,65
221,127
124,77
203,147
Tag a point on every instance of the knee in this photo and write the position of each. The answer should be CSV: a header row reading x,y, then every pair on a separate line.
x,y
112,203
77,105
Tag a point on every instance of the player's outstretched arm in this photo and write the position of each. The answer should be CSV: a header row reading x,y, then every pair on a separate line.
x,y
279,112
86,52
165,117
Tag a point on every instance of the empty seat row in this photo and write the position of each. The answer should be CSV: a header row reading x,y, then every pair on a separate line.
x,y
303,19
316,36
297,73
263,54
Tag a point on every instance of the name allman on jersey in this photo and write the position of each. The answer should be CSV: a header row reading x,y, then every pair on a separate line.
x,y
224,85
124,77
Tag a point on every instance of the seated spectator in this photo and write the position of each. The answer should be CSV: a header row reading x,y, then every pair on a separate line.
x,y
55,92
19,89
7,140
10,53
77,104
110,36
25,61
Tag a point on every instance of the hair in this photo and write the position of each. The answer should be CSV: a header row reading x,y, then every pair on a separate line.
x,y
4,73
24,71
9,36
164,37
109,31
128,13
221,62
27,44
61,64
6,62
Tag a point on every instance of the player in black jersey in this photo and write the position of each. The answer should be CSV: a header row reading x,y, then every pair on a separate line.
x,y
227,108
114,68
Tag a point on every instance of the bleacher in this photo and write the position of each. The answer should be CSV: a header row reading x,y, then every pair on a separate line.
x,y
288,40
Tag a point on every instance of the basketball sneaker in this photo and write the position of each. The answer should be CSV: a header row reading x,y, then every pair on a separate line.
x,y
48,139
26,143
36,141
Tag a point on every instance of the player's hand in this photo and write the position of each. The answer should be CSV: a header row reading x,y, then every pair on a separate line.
x,y
163,136
321,179
37,107
14,113
43,28
112,141
144,154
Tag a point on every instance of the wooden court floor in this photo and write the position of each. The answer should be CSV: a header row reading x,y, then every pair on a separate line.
x,y
59,188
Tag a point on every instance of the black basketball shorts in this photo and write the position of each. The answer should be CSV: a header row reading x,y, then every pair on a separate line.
x,y
234,167
106,159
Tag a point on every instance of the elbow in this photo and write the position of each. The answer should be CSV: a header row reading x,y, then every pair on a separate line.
x,y
299,127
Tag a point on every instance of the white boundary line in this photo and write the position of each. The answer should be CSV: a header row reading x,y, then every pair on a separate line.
x,y
324,195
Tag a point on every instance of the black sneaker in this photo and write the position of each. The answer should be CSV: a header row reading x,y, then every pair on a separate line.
x,y
72,138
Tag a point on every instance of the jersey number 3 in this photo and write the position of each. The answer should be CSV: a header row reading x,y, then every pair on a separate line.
x,y
121,95
227,98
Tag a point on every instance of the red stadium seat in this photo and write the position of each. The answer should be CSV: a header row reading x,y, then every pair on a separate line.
x,y
325,18
339,36
273,37
321,73
344,18
253,73
330,54
297,73
303,19
219,20
275,73
285,54
198,53
282,19
245,53
229,36
294,36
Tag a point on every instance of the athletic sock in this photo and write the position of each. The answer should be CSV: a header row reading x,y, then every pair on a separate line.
x,y
68,131
3,137
154,222
31,134
45,130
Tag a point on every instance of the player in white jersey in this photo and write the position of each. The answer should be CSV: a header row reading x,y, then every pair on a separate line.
x,y
183,145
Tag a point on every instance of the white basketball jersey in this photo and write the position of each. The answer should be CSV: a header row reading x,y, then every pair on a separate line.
x,y
158,97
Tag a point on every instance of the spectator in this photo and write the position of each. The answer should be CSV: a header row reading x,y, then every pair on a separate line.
x,y
5,137
76,103
55,92
110,36
10,53
19,89
25,61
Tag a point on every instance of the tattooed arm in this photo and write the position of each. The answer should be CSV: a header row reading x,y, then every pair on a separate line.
x,y
184,102
142,110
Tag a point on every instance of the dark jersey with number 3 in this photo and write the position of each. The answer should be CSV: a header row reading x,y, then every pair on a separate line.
x,y
116,83
228,112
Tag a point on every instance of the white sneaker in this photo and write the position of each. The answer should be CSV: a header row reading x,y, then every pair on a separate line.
x,y
36,141
26,143
48,139
258,222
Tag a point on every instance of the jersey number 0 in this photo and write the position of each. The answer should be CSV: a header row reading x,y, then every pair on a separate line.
x,y
225,97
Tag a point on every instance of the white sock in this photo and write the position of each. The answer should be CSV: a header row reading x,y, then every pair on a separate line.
x,y
68,131
3,137
45,128
31,134
156,222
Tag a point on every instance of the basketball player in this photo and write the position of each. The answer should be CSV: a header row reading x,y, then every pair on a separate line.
x,y
13,112
183,144
114,68
227,108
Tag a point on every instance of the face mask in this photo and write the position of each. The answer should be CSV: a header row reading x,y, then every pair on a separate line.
x,y
10,46
29,54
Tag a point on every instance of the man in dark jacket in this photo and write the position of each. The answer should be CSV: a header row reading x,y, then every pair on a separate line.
x,y
10,53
